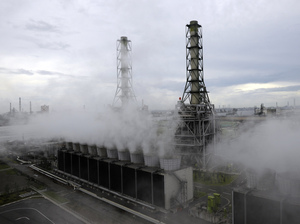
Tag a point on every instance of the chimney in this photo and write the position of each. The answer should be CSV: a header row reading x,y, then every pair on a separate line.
x,y
20,104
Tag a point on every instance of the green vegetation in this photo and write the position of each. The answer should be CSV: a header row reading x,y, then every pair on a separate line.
x,y
12,159
215,179
4,166
11,172
199,194
37,184
11,197
55,196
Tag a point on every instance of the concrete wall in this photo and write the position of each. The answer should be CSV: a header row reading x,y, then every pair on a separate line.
x,y
187,174
172,186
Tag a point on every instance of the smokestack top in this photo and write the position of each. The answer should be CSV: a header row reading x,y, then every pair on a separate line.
x,y
194,23
123,38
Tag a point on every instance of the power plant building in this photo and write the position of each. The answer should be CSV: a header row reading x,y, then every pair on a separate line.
x,y
258,207
267,198
164,185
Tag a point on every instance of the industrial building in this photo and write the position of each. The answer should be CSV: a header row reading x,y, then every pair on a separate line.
x,y
196,127
268,197
160,182
165,182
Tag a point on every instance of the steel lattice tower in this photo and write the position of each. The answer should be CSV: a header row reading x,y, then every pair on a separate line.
x,y
195,90
124,92
197,127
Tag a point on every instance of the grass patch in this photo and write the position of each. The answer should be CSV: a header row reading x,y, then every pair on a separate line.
x,y
4,166
11,172
199,194
213,179
12,159
55,196
8,198
38,185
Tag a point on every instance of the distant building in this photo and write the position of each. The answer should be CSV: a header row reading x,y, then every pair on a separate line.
x,y
45,109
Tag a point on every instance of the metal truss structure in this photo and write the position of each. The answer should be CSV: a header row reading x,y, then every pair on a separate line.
x,y
124,92
196,127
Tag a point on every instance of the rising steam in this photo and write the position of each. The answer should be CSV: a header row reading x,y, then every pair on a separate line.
x,y
127,129
273,144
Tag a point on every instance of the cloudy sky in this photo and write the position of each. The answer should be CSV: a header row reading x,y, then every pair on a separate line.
x,y
63,53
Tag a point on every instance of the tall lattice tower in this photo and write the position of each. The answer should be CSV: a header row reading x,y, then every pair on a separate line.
x,y
197,127
124,92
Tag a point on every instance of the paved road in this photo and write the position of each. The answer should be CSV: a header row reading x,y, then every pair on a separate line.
x,y
35,210
88,208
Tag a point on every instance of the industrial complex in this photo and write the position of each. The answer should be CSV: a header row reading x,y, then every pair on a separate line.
x,y
159,181
191,175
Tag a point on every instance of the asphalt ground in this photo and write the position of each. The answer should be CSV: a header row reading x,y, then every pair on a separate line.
x,y
35,210
89,209
92,210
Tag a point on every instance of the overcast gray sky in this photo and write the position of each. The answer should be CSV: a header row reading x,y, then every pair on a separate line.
x,y
63,53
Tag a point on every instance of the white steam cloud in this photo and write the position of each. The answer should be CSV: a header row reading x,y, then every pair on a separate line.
x,y
126,129
273,144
